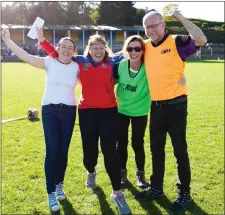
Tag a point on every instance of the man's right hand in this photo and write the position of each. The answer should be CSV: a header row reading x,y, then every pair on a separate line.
x,y
178,16
40,35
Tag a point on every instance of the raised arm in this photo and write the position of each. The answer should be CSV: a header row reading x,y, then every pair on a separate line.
x,y
38,62
196,33
48,48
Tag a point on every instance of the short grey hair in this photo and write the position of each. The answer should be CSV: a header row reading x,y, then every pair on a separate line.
x,y
152,13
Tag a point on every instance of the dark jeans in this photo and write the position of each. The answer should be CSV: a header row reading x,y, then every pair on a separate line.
x,y
95,123
171,118
138,124
58,123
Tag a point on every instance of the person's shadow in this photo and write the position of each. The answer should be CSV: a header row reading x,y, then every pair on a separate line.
x,y
165,203
148,205
55,212
104,205
193,208
67,207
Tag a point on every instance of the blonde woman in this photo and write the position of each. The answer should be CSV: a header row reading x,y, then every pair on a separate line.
x,y
98,113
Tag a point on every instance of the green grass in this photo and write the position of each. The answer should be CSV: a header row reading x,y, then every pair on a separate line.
x,y
23,149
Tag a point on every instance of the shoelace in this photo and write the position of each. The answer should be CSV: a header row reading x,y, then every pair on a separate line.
x,y
59,191
147,192
183,199
121,200
52,200
151,192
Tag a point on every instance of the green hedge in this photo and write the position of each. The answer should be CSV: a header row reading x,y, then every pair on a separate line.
x,y
213,36
173,23
197,22
210,23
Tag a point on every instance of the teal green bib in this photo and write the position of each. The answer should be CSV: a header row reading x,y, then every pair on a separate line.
x,y
132,92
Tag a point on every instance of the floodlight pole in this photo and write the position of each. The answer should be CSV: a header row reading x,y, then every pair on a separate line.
x,y
111,40
124,35
23,37
54,37
83,40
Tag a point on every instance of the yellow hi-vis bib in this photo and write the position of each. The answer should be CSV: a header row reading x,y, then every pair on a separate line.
x,y
164,68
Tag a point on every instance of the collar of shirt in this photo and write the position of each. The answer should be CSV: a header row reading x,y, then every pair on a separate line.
x,y
161,41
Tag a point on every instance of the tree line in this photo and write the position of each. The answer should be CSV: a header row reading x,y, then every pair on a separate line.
x,y
73,13
87,13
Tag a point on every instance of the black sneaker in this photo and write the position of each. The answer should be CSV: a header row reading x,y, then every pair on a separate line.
x,y
149,193
182,201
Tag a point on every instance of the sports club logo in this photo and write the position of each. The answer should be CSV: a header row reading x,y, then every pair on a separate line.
x,y
86,66
165,51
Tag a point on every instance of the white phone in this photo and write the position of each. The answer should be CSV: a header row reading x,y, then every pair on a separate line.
x,y
39,22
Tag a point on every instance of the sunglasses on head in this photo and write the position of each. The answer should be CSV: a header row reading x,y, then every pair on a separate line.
x,y
137,49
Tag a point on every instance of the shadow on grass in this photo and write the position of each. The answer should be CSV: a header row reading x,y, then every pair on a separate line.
x,y
148,205
205,61
104,205
164,203
34,120
193,208
67,207
55,213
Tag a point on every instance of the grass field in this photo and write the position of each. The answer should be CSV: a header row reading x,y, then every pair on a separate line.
x,y
23,149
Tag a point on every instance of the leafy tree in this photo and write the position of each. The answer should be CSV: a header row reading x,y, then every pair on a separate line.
x,y
168,10
139,16
94,15
117,13
6,18
18,13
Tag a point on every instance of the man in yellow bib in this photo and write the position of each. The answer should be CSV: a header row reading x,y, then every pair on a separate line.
x,y
164,59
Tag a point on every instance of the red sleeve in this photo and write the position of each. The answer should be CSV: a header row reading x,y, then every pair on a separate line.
x,y
49,49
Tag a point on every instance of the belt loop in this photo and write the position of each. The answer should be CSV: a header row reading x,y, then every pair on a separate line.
x,y
61,107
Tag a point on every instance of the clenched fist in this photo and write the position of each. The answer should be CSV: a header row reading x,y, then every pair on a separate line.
x,y
5,34
178,16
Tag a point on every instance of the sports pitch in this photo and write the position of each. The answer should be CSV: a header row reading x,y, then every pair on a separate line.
x,y
23,150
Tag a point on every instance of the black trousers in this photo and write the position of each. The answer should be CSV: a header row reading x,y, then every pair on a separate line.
x,y
138,131
100,123
172,119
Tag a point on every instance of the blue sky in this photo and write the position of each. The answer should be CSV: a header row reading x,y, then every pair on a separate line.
x,y
211,11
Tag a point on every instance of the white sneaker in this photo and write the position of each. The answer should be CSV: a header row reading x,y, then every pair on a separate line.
x,y
60,195
52,202
121,203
